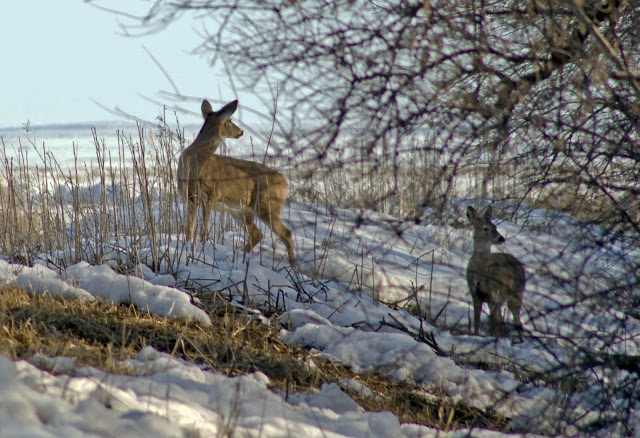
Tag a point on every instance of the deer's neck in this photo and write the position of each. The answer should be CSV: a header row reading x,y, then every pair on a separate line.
x,y
206,140
481,249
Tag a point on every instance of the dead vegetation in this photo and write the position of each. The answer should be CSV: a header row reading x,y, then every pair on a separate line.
x,y
20,224
102,336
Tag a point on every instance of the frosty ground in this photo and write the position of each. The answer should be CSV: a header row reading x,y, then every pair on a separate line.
x,y
351,263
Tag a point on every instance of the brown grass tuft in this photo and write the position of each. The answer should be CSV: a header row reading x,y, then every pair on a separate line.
x,y
102,335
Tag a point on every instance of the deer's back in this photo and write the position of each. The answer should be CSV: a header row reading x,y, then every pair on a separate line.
x,y
230,180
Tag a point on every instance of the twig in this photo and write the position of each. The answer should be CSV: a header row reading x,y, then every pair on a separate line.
x,y
425,338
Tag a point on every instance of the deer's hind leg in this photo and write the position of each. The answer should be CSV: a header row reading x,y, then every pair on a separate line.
x,y
514,304
495,312
270,215
253,232
285,235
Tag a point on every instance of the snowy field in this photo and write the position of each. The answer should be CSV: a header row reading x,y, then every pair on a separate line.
x,y
358,271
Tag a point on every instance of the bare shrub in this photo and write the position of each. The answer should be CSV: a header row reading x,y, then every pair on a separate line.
x,y
523,104
97,211
21,226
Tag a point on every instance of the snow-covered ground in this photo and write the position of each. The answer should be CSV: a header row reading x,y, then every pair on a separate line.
x,y
358,270
333,305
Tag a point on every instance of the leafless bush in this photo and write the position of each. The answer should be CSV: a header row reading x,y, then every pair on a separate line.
x,y
536,102
21,226
97,211
540,95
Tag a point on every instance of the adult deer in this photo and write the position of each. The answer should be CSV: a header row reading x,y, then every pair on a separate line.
x,y
493,278
242,188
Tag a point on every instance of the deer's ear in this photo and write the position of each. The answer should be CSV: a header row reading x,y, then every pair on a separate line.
x,y
488,212
206,108
227,110
472,214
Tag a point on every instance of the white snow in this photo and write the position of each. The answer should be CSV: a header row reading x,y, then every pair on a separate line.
x,y
168,398
335,306
102,282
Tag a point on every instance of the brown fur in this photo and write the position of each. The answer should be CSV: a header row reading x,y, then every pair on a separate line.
x,y
493,278
241,188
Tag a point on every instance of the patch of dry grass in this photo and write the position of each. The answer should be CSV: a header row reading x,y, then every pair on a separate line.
x,y
20,224
102,335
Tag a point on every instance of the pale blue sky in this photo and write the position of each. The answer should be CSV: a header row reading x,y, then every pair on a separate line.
x,y
59,55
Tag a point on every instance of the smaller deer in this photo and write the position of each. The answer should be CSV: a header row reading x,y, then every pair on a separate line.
x,y
241,188
493,278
